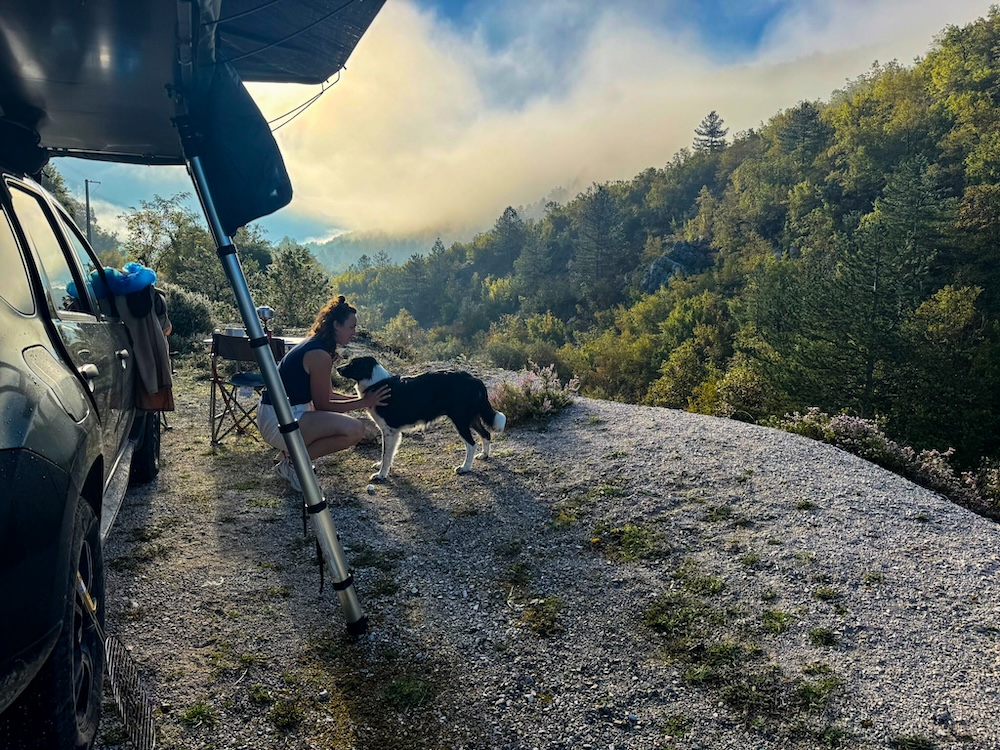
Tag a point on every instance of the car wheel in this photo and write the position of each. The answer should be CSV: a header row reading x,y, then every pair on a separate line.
x,y
146,459
61,708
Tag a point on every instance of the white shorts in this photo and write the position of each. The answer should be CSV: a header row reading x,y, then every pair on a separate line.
x,y
270,428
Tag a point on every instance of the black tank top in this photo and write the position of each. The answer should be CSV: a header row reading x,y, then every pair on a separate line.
x,y
293,374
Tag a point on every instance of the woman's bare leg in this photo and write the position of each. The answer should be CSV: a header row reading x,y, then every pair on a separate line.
x,y
326,432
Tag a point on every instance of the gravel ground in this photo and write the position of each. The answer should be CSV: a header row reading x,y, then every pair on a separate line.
x,y
622,577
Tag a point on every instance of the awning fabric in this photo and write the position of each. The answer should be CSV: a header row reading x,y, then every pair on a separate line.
x,y
316,37
105,79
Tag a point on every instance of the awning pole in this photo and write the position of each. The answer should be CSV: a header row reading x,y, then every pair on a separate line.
x,y
326,532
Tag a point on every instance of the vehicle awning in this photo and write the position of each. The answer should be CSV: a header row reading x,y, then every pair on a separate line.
x,y
98,78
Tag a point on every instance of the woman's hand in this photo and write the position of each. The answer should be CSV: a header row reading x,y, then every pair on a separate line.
x,y
377,397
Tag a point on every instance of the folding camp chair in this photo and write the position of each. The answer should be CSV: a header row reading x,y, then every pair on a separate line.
x,y
233,402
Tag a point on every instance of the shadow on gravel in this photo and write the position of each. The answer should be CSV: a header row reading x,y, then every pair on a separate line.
x,y
217,589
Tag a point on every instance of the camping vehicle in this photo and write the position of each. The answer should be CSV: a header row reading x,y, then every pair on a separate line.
x,y
70,439
156,82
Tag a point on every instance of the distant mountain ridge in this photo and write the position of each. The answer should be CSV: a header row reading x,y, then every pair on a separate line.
x,y
343,251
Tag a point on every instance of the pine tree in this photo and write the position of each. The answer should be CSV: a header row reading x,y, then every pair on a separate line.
x,y
802,134
711,135
599,261
297,285
504,244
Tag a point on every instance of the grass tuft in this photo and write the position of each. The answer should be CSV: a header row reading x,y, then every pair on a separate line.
x,y
823,637
542,616
694,580
775,621
827,593
626,543
260,696
286,714
716,513
408,692
199,714
912,742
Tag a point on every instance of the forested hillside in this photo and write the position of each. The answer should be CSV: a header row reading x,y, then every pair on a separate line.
x,y
345,250
842,256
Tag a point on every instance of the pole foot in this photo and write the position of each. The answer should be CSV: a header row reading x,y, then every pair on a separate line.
x,y
358,627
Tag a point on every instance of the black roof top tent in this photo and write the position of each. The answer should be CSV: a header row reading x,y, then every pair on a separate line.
x,y
104,78
161,82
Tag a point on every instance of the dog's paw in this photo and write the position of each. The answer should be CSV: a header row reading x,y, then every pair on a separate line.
x,y
483,456
462,470
376,478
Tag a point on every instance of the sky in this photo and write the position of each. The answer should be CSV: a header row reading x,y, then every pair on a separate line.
x,y
451,110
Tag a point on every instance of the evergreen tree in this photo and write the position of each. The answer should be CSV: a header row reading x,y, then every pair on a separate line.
x,y
415,290
598,263
297,286
802,134
945,393
532,271
502,246
881,279
710,135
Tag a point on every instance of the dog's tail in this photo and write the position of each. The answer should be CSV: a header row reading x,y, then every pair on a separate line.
x,y
494,419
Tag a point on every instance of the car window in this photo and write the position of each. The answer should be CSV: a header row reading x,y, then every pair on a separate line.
x,y
59,278
15,285
88,262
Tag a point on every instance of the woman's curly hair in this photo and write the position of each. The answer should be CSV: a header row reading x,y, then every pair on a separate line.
x,y
335,311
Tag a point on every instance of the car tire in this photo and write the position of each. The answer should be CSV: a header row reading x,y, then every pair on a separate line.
x,y
146,459
61,708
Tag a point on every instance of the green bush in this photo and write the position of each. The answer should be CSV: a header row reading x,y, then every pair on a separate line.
x,y
191,316
743,393
441,343
402,334
513,342
509,355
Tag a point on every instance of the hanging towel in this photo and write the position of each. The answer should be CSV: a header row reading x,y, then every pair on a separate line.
x,y
154,390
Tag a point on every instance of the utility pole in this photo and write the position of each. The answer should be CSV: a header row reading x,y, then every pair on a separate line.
x,y
86,192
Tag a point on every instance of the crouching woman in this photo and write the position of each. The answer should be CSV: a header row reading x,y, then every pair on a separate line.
x,y
306,372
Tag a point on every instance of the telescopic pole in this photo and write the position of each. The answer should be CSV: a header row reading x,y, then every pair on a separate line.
x,y
326,532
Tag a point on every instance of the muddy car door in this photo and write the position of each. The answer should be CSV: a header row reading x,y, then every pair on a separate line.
x,y
97,344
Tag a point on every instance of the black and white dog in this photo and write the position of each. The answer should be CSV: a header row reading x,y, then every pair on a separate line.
x,y
417,400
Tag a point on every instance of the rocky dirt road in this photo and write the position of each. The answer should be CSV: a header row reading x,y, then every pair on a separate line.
x,y
622,577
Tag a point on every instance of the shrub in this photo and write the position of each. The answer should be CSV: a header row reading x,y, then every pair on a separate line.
x,y
535,394
441,343
403,335
743,392
513,342
506,354
191,316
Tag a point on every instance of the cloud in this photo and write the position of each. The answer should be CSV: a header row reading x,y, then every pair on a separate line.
x,y
872,29
108,217
436,125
